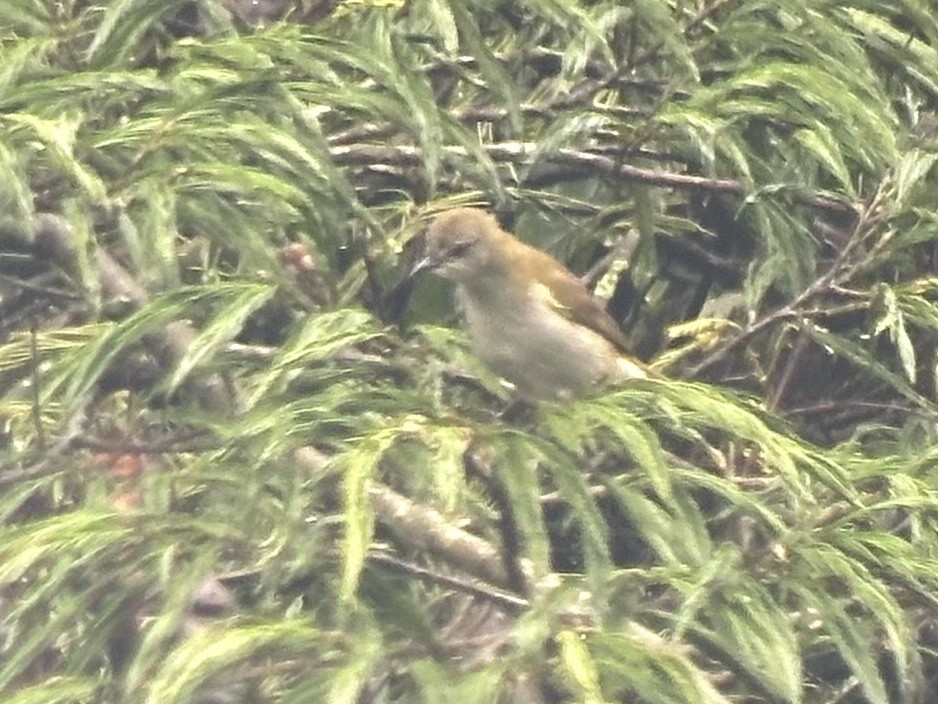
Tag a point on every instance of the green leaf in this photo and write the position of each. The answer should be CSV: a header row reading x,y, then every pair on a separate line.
x,y
821,142
56,690
59,137
862,358
894,321
324,335
491,69
211,652
579,667
359,464
122,28
223,328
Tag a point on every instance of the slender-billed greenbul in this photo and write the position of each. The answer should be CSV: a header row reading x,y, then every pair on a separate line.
x,y
529,318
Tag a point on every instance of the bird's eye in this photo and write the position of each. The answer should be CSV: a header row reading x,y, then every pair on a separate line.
x,y
460,249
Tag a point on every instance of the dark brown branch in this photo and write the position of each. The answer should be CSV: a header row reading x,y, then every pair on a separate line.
x,y
790,311
576,162
828,407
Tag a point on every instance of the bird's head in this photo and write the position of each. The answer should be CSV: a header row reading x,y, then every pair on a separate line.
x,y
465,243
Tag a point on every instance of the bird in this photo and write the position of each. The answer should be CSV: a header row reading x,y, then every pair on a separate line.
x,y
529,319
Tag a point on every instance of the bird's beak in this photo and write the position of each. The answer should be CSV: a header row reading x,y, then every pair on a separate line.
x,y
421,265
424,263
395,300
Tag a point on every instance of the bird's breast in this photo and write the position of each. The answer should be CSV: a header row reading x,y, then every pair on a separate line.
x,y
545,355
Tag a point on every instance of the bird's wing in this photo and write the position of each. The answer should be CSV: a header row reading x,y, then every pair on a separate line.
x,y
574,301
568,296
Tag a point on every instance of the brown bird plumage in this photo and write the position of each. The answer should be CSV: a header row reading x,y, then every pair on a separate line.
x,y
529,317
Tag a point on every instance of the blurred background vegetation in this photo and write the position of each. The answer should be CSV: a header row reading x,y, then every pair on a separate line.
x,y
243,461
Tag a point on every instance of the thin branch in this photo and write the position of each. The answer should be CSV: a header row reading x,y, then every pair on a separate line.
x,y
794,357
472,587
848,688
705,12
168,446
788,311
32,287
835,277
577,163
50,464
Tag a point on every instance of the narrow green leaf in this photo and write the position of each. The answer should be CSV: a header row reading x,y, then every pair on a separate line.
x,y
124,24
579,667
865,360
359,465
820,141
56,690
323,336
499,80
223,328
210,652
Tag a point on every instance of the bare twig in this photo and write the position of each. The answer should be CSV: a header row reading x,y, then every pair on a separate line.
x,y
836,276
793,358
49,464
472,587
33,287
185,444
576,163
705,12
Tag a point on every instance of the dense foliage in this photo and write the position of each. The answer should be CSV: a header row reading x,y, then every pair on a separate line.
x,y
244,461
